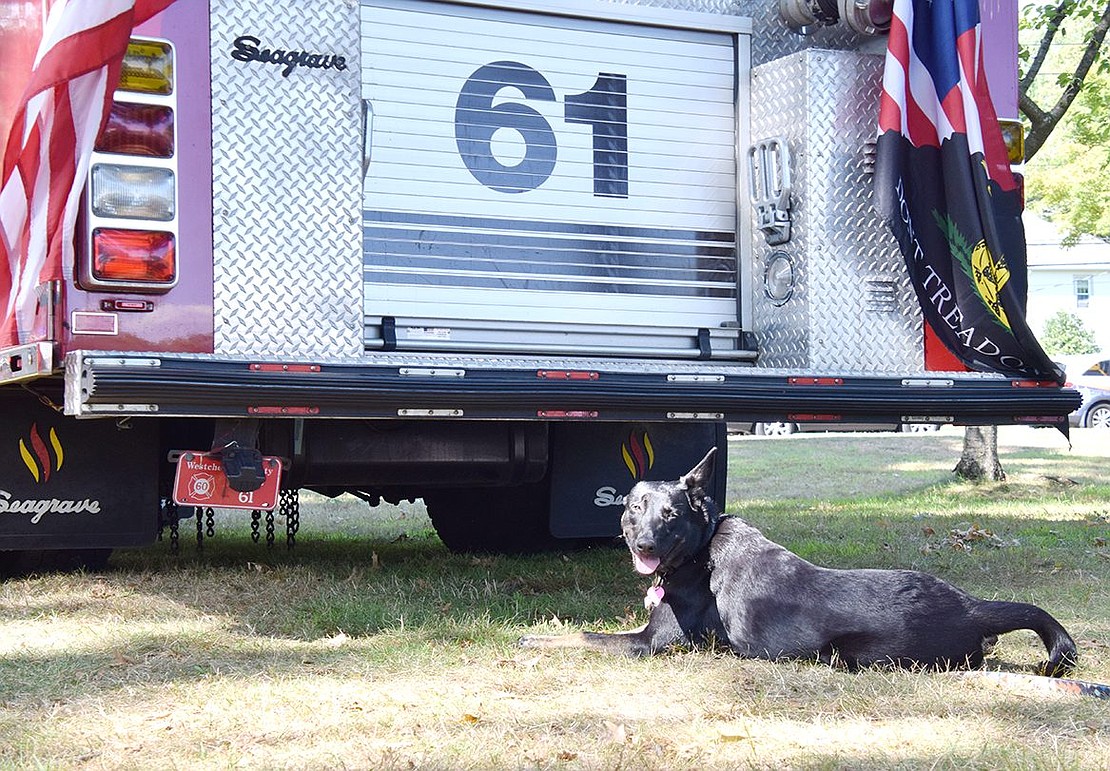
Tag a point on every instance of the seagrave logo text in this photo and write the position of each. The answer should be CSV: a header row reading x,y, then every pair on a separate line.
x,y
39,508
248,48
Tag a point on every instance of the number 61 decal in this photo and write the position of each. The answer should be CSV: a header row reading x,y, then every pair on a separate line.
x,y
604,108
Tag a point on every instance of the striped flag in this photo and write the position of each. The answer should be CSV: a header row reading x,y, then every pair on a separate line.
x,y
944,185
45,158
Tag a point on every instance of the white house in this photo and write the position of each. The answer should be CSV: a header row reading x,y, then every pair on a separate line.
x,y
1075,279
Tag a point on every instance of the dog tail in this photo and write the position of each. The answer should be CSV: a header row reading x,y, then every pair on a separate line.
x,y
1001,617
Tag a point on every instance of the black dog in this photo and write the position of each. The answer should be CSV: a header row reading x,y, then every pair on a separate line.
x,y
722,581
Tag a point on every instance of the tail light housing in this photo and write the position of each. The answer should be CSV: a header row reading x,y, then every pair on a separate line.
x,y
131,206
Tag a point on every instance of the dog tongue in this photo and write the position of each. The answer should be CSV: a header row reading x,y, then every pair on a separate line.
x,y
644,565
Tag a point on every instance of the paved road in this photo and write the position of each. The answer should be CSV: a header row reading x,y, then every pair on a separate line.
x,y
1084,441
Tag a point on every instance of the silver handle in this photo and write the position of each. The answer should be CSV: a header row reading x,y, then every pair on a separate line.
x,y
770,187
367,135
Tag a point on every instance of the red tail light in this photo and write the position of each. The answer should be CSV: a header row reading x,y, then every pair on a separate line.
x,y
134,257
138,129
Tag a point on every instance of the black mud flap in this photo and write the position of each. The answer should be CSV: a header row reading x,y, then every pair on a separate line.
x,y
593,466
70,484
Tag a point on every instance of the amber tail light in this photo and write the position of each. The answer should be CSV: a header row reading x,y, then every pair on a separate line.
x,y
147,68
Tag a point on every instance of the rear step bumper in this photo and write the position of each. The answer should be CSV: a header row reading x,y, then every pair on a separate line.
x,y
125,384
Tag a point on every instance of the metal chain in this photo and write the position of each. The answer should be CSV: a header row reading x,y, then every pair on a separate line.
x,y
44,400
293,523
270,529
199,515
175,533
209,522
290,508
256,519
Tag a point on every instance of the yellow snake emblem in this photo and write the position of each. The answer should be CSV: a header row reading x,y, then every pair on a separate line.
x,y
990,275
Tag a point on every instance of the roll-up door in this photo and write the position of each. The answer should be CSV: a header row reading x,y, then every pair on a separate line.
x,y
546,183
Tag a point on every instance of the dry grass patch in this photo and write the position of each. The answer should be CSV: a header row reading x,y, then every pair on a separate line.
x,y
568,710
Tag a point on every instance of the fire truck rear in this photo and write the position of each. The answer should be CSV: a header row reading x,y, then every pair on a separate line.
x,y
506,257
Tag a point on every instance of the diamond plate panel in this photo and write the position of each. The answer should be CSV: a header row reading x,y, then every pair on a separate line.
x,y
771,37
853,308
778,109
287,192
286,186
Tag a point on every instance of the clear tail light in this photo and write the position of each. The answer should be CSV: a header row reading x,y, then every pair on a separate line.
x,y
133,192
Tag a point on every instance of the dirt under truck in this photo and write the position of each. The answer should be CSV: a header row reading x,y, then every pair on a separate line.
x,y
506,257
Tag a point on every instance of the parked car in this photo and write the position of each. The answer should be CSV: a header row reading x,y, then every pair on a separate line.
x,y
785,428
1090,375
1094,412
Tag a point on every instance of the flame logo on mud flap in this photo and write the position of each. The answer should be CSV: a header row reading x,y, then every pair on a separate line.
x,y
37,457
638,454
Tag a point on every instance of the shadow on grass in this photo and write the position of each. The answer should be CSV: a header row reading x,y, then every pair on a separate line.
x,y
359,589
1042,538
999,542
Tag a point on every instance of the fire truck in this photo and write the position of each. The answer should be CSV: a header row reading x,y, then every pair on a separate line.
x,y
507,257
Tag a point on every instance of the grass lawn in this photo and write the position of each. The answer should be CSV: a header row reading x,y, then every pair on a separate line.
x,y
371,646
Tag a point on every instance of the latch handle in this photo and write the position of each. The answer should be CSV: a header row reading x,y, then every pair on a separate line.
x,y
770,188
367,135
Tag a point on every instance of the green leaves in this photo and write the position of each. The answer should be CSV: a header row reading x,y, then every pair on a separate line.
x,y
1065,334
1060,48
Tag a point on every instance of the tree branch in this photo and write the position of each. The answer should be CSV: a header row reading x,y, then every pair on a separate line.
x,y
1042,121
1052,26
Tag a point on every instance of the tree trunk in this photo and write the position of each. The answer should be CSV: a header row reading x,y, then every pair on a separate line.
x,y
979,460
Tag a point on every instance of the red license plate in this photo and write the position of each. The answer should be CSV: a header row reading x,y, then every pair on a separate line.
x,y
201,481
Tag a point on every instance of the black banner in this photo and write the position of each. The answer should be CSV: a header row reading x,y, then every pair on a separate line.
x,y
943,183
964,245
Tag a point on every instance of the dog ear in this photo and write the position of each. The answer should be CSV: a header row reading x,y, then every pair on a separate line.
x,y
697,479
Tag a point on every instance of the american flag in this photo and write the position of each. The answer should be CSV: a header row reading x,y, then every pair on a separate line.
x,y
45,158
935,85
944,185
